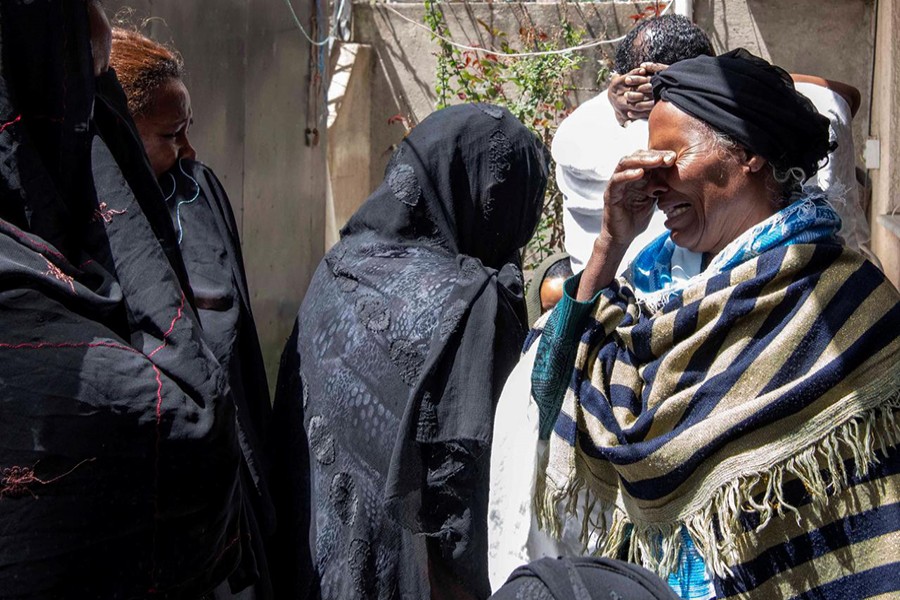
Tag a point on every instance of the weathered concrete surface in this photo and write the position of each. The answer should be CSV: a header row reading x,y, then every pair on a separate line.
x,y
886,128
830,38
249,78
284,178
409,54
404,61
349,152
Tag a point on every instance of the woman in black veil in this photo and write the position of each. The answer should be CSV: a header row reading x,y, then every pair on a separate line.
x,y
409,328
152,77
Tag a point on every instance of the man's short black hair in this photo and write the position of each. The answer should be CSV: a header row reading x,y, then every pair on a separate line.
x,y
561,268
666,39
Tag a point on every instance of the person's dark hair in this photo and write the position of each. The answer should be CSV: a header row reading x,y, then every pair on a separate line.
x,y
561,268
666,39
142,65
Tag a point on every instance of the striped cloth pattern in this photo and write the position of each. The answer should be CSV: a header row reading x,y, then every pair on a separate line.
x,y
756,411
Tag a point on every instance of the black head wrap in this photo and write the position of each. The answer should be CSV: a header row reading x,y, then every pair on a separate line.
x,y
583,579
751,101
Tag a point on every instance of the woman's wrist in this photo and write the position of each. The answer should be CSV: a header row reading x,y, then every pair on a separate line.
x,y
602,266
605,242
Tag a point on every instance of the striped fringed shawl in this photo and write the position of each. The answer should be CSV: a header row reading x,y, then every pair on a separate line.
x,y
757,411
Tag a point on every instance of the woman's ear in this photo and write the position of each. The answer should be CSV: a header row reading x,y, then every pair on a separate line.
x,y
752,163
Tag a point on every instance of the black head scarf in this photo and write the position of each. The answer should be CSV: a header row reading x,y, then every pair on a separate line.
x,y
583,579
407,333
477,177
482,177
751,101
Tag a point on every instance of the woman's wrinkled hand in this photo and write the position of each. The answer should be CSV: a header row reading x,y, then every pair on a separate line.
x,y
630,196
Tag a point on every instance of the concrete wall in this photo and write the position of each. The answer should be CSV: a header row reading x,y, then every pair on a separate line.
x,y
886,129
802,36
408,55
830,38
249,78
401,76
349,135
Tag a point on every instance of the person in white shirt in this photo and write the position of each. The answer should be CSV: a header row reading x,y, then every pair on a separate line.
x,y
839,102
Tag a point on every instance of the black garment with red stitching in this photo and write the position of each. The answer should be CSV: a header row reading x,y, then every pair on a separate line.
x,y
119,451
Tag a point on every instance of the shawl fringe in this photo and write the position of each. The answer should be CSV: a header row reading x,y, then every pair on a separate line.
x,y
715,530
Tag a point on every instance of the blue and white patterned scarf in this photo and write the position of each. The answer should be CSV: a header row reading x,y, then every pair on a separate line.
x,y
662,270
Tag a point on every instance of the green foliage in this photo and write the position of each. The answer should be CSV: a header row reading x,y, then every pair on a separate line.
x,y
533,88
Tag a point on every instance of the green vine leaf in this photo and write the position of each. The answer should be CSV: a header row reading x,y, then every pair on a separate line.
x,y
533,88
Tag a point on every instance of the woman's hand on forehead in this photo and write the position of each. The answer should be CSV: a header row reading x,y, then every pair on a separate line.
x,y
630,195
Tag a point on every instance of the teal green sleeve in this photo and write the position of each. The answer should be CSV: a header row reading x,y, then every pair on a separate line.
x,y
556,353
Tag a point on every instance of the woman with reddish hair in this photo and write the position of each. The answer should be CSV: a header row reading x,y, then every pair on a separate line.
x,y
152,75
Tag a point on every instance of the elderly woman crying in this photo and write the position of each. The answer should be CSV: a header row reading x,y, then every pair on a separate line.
x,y
728,405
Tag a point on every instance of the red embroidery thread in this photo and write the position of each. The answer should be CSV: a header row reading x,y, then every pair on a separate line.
x,y
10,123
34,243
43,345
171,328
15,481
57,273
105,213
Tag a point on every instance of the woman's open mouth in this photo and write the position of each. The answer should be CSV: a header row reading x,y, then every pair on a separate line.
x,y
678,209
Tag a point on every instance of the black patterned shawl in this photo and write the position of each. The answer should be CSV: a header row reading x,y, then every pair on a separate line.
x,y
407,333
119,457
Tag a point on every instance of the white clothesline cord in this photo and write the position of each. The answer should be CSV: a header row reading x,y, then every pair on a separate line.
x,y
331,35
577,48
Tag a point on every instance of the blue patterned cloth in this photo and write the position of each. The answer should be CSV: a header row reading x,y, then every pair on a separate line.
x,y
807,220
691,581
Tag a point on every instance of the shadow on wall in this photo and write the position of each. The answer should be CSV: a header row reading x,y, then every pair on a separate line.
x,y
363,106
